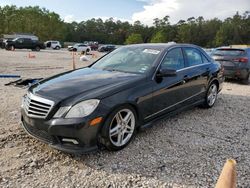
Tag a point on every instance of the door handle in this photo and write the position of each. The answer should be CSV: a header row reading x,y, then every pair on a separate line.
x,y
186,78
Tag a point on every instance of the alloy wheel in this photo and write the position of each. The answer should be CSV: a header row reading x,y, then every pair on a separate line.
x,y
122,127
212,94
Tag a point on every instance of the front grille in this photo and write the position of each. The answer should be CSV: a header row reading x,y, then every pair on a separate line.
x,y
37,107
40,134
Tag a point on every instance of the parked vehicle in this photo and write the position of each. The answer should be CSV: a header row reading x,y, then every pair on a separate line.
x,y
21,35
79,48
236,62
53,44
24,43
209,51
2,44
93,44
129,88
106,48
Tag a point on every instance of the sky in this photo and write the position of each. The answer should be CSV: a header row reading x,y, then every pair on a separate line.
x,y
133,10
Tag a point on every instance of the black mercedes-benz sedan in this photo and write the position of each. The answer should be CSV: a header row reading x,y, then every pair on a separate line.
x,y
106,103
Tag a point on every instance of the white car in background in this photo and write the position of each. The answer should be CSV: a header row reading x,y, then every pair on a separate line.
x,y
80,48
53,44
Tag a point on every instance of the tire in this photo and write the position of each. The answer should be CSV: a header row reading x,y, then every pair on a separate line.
x,y
11,48
74,50
37,48
87,51
211,95
115,136
57,48
247,80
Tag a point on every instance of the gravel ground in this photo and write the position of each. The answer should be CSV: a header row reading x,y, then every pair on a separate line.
x,y
187,150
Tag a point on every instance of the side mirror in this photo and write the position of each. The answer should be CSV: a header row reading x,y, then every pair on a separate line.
x,y
166,73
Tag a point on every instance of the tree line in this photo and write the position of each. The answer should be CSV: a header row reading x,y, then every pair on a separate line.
x,y
48,25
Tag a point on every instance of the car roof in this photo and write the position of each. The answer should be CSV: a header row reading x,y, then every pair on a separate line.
x,y
163,46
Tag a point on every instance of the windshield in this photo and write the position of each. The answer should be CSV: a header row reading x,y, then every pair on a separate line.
x,y
129,59
228,52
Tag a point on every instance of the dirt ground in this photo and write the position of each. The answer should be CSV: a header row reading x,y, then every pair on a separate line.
x,y
187,150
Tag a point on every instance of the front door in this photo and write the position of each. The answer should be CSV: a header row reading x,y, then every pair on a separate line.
x,y
169,92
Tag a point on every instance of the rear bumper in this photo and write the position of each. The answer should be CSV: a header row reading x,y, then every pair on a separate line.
x,y
236,73
55,131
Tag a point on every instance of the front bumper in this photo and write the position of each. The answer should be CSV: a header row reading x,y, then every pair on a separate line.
x,y
55,131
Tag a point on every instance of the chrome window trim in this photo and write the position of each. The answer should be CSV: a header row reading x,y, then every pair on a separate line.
x,y
192,67
174,105
163,59
179,70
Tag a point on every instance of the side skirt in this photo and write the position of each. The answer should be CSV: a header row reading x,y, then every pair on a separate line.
x,y
170,114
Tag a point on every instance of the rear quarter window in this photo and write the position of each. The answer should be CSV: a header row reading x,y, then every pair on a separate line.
x,y
204,58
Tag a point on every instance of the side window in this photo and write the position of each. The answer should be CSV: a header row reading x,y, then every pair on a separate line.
x,y
27,40
20,40
193,56
173,60
204,59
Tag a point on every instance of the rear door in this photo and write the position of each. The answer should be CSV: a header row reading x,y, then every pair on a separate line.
x,y
196,74
28,43
82,48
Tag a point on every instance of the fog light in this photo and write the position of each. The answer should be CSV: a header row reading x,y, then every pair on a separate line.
x,y
70,140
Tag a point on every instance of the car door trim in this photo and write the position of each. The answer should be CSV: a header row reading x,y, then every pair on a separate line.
x,y
174,105
186,68
158,66
179,70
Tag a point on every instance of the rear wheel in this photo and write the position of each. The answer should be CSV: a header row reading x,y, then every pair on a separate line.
x,y
211,95
37,48
57,48
247,80
119,128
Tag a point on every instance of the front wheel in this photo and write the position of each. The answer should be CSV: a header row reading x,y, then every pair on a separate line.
x,y
119,128
211,95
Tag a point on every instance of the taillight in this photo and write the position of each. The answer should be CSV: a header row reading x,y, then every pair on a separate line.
x,y
241,60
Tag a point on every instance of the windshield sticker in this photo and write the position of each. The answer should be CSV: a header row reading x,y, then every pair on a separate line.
x,y
151,51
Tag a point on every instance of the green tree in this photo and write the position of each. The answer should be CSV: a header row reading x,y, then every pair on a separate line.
x,y
48,25
134,39
159,37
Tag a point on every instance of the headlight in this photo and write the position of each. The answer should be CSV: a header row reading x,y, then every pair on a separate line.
x,y
81,109
62,111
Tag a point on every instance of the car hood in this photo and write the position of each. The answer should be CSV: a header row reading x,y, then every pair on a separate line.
x,y
87,82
